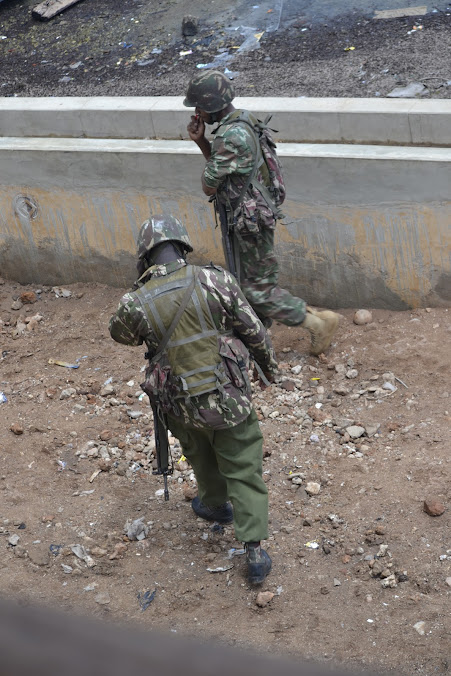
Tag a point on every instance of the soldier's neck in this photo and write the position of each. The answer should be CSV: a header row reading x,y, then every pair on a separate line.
x,y
165,253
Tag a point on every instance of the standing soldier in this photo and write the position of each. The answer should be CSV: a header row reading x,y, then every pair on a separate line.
x,y
199,330
232,173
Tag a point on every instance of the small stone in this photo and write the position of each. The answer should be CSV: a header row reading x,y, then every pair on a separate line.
x,y
190,25
17,305
105,465
105,435
351,374
28,297
107,390
16,429
389,581
346,558
288,385
317,414
39,555
362,317
119,549
134,415
68,393
312,488
20,552
121,469
342,390
98,551
372,429
263,598
433,507
448,581
355,431
13,540
337,583
420,627
189,492
103,598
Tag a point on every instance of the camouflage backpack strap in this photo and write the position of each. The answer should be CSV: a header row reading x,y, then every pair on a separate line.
x,y
183,305
259,163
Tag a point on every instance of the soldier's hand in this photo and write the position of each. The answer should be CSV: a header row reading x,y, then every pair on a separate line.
x,y
196,128
269,377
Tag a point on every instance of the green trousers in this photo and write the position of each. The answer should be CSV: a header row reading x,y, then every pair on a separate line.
x,y
228,466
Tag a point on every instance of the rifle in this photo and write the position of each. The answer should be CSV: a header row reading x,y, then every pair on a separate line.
x,y
231,255
228,242
162,446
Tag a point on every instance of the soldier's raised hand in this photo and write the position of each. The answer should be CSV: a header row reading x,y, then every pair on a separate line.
x,y
196,128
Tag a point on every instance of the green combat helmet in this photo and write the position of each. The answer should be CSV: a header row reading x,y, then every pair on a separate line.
x,y
211,91
161,228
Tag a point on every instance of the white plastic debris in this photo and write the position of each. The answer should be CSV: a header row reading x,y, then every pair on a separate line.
x,y
221,569
81,553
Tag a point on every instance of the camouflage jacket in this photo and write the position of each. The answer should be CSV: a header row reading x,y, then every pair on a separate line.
x,y
241,333
232,159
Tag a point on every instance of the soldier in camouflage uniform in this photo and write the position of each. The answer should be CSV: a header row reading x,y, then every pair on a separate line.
x,y
230,160
201,377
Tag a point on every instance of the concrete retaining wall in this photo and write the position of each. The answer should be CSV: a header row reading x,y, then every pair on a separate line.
x,y
298,120
365,224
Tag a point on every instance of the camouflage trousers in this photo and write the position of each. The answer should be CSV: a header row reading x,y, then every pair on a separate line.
x,y
228,466
259,274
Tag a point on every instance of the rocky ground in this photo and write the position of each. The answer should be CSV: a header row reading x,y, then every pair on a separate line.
x,y
128,47
355,443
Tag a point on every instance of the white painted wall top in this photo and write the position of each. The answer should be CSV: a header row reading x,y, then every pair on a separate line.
x,y
298,120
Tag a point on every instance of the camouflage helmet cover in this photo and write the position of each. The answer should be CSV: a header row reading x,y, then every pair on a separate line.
x,y
211,91
161,228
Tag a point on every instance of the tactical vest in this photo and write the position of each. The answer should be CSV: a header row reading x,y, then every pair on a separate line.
x,y
191,362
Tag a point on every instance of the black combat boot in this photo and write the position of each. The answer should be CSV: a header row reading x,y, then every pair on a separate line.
x,y
221,514
258,563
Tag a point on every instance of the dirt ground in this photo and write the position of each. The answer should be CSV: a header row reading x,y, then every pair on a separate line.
x,y
128,47
76,458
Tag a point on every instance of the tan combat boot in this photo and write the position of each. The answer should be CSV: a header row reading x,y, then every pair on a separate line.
x,y
321,326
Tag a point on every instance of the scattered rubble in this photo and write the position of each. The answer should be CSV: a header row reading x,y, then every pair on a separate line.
x,y
329,468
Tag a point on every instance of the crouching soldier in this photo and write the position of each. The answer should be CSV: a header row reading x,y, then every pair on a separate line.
x,y
199,330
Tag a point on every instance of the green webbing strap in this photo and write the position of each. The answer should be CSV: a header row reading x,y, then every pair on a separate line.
x,y
183,305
